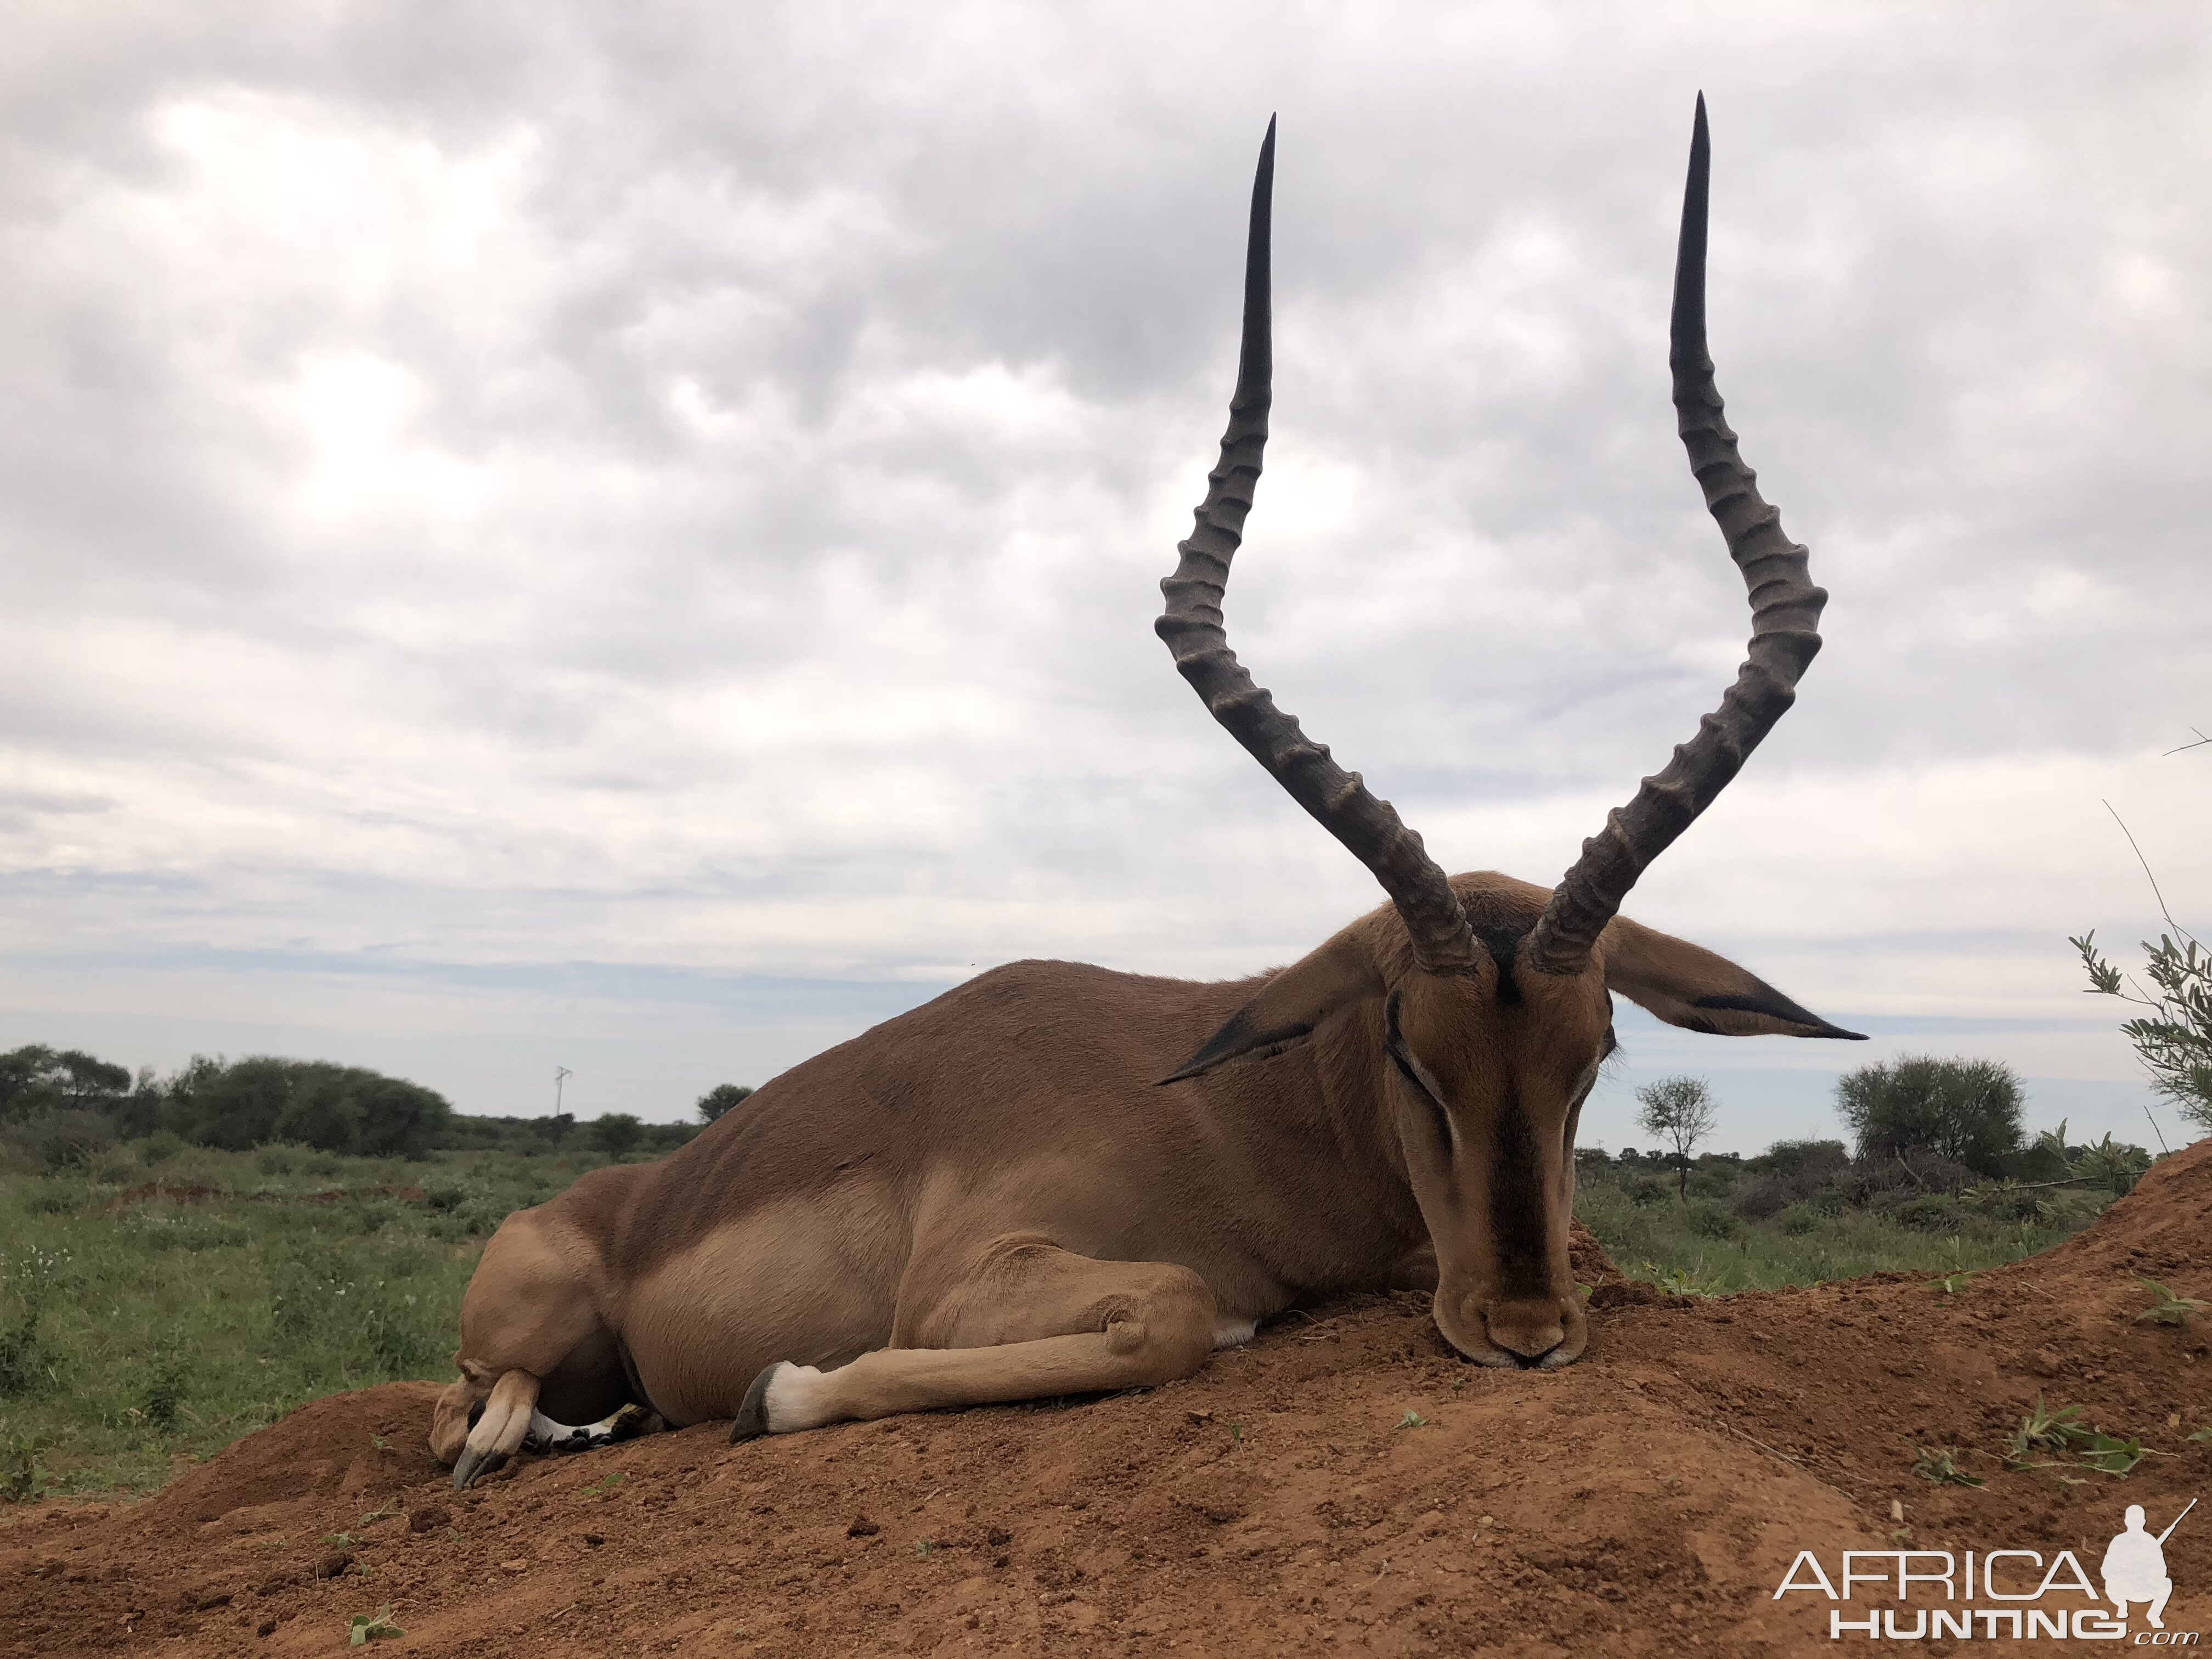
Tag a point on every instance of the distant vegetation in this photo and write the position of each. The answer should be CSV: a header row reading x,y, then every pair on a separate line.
x,y
62,1109
1941,1177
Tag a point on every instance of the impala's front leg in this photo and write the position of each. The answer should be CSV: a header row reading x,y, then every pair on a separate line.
x,y
1018,1318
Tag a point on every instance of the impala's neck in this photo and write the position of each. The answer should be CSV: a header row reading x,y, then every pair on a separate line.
x,y
1337,1211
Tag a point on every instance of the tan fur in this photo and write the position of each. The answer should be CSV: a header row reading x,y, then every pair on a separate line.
x,y
993,1197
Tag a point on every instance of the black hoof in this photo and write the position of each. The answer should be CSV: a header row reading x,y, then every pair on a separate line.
x,y
634,1420
753,1416
474,1465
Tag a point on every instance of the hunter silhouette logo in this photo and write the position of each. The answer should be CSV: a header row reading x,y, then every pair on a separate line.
x,y
2026,1595
2134,1568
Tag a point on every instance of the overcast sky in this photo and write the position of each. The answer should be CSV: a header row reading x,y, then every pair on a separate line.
x,y
627,538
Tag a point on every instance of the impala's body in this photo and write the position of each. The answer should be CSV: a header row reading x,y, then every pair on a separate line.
x,y
1058,1179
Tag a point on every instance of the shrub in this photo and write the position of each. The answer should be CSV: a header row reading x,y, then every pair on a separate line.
x,y
333,1109
1798,1220
1929,1213
616,1133
24,1367
1709,1219
162,1387
160,1147
1966,1111
70,1138
1763,1197
1806,1161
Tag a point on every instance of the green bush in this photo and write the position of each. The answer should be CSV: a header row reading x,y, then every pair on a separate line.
x,y
162,1382
1711,1220
1965,1111
1929,1213
70,1138
616,1133
1798,1220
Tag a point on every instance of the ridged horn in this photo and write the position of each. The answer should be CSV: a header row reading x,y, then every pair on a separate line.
x,y
1192,627
1785,614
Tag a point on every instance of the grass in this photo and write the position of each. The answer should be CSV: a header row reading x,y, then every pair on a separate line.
x,y
1701,1248
135,1340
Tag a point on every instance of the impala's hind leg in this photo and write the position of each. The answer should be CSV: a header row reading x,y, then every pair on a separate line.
x,y
1018,1319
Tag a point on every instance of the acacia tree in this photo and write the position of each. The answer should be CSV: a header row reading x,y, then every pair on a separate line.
x,y
720,1098
1680,1111
1965,1110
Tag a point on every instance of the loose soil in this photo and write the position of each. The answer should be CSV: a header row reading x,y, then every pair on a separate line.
x,y
1343,1483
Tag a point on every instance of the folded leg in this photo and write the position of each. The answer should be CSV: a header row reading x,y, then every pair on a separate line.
x,y
1018,1318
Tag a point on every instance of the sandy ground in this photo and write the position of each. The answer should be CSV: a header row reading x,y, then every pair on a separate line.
x,y
1648,1500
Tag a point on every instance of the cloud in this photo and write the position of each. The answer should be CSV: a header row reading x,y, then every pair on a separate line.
x,y
657,488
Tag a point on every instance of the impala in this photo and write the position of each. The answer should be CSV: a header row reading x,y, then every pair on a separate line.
x,y
1058,1179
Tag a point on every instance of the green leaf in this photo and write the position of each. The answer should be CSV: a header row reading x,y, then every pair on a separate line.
x,y
376,1626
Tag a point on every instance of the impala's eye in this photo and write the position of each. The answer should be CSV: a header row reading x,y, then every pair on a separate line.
x,y
1435,1107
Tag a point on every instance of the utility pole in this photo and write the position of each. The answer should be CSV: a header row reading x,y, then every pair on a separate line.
x,y
561,1075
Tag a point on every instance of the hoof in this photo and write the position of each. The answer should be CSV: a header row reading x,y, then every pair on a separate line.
x,y
634,1420
753,1416
473,1466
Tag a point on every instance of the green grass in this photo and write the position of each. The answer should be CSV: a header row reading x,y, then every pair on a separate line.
x,y
135,1339
1703,1248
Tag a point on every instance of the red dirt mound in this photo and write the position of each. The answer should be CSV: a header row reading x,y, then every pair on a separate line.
x,y
1345,1482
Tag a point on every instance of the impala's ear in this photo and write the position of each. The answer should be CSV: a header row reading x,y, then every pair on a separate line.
x,y
1291,1005
1690,987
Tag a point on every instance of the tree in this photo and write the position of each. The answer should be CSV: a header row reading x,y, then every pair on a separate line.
x,y
333,1109
1680,1111
35,1079
2174,1041
616,1133
720,1098
1966,1110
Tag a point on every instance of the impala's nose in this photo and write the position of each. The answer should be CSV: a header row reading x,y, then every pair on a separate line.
x,y
1527,1330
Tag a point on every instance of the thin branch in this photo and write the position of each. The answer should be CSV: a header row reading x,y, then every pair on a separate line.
x,y
2145,862
2155,1130
2201,741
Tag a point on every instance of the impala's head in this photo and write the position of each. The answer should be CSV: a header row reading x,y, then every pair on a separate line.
x,y
1495,998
